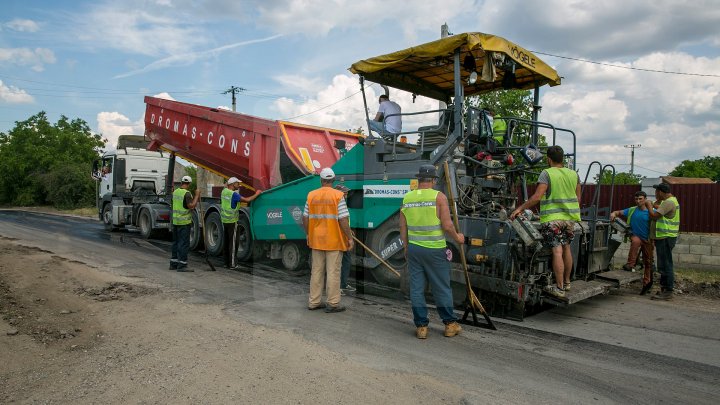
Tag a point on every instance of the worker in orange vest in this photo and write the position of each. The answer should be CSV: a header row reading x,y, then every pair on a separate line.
x,y
326,223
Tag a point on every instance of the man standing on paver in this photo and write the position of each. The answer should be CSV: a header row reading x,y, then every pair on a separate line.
x,y
182,203
326,223
558,192
667,227
424,221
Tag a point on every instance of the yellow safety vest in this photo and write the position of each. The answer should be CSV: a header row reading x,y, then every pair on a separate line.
x,y
562,203
228,215
420,210
669,227
181,215
499,129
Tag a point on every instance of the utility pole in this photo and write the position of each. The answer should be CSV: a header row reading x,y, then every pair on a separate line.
x,y
632,156
234,90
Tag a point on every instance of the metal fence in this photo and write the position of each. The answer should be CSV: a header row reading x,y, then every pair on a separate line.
x,y
700,203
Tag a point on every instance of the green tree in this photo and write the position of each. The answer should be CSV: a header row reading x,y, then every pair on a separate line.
x,y
620,178
507,103
709,167
43,163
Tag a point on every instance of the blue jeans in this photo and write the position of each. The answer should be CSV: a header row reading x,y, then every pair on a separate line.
x,y
430,265
180,245
664,249
345,270
378,127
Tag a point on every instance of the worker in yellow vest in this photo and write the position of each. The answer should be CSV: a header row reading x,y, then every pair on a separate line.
x,y
182,203
230,200
667,227
558,192
326,223
424,222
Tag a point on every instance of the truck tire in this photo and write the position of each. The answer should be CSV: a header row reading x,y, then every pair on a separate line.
x,y
245,242
214,234
195,236
377,240
145,224
107,218
294,258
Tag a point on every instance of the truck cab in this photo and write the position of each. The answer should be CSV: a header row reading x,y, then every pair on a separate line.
x,y
131,186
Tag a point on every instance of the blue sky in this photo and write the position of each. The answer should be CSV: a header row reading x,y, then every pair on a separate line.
x,y
95,60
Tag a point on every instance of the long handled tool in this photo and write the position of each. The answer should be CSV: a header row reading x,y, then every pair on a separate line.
x,y
202,230
397,273
472,302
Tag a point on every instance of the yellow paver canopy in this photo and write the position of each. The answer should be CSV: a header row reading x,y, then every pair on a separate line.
x,y
427,69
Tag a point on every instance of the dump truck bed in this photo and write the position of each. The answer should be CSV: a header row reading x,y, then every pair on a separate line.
x,y
258,151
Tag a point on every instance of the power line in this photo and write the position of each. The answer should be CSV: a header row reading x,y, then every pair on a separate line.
x,y
322,108
628,67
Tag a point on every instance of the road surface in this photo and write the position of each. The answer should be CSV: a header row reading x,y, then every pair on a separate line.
x,y
619,348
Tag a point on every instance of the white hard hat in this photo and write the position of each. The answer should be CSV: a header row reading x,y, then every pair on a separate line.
x,y
233,180
186,179
327,173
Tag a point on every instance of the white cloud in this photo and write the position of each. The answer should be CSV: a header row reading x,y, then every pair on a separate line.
x,y
14,95
318,18
602,29
190,57
113,124
137,30
22,25
672,116
339,106
35,58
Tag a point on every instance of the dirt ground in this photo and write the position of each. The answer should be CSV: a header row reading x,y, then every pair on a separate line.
x,y
74,334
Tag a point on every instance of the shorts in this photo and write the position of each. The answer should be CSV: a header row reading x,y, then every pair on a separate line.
x,y
557,233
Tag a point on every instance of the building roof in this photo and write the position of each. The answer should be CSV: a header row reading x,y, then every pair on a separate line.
x,y
686,180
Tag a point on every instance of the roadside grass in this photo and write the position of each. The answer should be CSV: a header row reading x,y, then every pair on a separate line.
x,y
698,276
90,212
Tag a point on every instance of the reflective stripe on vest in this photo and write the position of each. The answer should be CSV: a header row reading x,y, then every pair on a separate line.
x,y
228,215
562,204
181,215
423,224
669,227
324,231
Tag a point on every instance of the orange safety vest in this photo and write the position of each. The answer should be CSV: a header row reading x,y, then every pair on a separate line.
x,y
324,231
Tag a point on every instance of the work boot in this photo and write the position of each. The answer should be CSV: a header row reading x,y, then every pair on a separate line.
x,y
646,288
331,310
555,291
421,332
666,295
452,329
184,269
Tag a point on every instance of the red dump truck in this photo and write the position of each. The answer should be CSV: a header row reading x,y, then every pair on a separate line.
x,y
262,153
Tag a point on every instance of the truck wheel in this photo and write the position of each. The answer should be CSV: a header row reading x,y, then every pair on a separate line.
x,y
214,234
145,224
294,258
378,239
107,218
245,242
195,237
